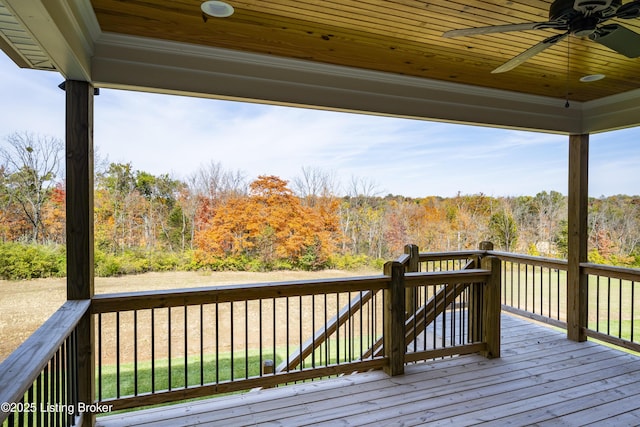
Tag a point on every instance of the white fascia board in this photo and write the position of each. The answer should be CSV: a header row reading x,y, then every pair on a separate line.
x,y
143,64
65,30
612,113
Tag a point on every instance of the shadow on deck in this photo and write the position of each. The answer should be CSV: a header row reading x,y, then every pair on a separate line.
x,y
542,378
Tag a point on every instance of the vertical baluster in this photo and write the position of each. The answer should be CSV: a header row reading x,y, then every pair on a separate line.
x,y
435,319
326,338
99,357
526,287
444,316
337,330
260,337
30,400
169,352
598,303
246,339
273,314
56,384
558,301
425,298
201,344
118,354
633,298
21,414
361,327
300,329
349,326
608,306
533,289
153,351
64,370
186,348
74,353
286,322
46,392
313,330
549,293
217,341
135,352
619,308
519,287
231,319
39,393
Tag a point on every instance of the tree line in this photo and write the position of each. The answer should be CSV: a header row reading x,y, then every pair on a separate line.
x,y
219,219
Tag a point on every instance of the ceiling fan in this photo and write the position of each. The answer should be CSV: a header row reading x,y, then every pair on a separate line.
x,y
581,18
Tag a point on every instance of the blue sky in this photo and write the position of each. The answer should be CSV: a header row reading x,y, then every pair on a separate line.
x,y
177,135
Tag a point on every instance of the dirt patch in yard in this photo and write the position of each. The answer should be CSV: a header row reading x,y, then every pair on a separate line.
x,y
25,305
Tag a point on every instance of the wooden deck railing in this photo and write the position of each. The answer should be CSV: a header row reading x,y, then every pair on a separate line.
x,y
205,341
159,347
200,342
536,287
39,381
612,311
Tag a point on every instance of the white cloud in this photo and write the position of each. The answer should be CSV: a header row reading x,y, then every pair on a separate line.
x,y
177,135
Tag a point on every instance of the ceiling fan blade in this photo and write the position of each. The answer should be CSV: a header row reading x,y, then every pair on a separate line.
x,y
499,29
618,38
529,53
629,10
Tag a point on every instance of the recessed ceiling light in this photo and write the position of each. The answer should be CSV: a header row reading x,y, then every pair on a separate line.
x,y
217,9
592,78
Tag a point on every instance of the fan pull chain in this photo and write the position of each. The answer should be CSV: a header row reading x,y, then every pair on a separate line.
x,y
567,105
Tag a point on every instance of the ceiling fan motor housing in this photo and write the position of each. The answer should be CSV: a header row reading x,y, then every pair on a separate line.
x,y
567,10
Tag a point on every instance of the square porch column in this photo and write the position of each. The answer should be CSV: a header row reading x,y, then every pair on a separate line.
x,y
79,210
577,281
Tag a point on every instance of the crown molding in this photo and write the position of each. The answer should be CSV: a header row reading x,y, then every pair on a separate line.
x,y
612,113
128,62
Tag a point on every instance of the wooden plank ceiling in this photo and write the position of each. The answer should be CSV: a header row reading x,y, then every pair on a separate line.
x,y
401,36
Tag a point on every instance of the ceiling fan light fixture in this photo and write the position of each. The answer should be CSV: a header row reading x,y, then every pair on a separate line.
x,y
592,78
217,9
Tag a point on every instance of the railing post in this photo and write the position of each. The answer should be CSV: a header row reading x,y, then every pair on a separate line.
x,y
412,267
476,299
484,246
491,307
268,368
394,319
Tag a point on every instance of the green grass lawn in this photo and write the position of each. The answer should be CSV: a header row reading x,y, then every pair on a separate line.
x,y
612,301
210,371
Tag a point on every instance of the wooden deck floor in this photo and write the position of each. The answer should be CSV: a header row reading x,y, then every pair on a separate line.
x,y
541,379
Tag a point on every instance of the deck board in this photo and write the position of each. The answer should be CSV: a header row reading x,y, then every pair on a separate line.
x,y
541,378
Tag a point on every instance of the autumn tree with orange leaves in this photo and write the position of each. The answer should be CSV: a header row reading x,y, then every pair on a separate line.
x,y
269,225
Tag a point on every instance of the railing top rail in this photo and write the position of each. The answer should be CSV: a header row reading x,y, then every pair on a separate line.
x,y
437,256
473,275
23,366
624,273
107,303
403,259
560,264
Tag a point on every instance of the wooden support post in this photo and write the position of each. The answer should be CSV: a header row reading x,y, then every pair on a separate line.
x,y
79,210
476,299
394,318
268,368
491,307
485,246
412,267
577,281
